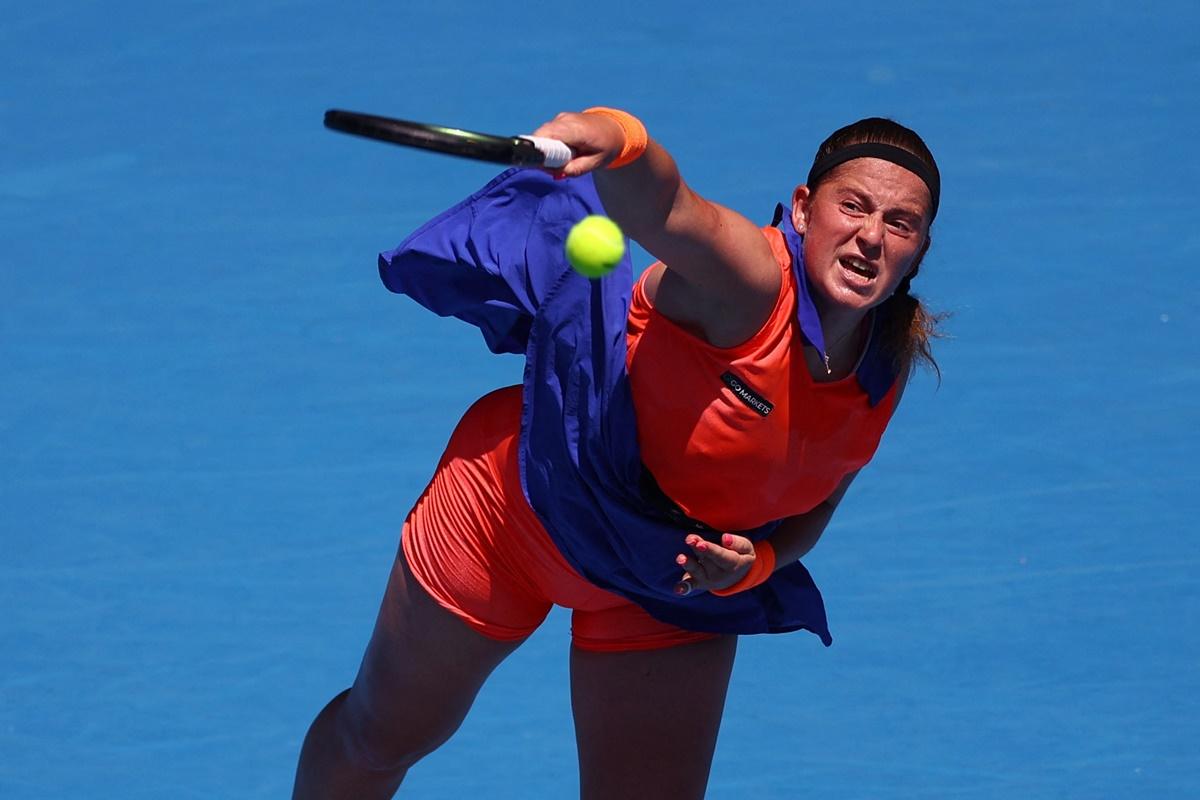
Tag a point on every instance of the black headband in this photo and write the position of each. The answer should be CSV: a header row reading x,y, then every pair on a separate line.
x,y
897,155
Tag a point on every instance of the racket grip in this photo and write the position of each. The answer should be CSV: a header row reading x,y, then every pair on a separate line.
x,y
554,152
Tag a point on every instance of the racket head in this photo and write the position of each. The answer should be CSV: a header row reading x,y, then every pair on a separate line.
x,y
512,150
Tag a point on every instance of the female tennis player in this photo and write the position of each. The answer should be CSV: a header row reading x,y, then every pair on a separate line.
x,y
676,447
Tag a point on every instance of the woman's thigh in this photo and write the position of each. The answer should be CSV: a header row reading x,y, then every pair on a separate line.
x,y
646,721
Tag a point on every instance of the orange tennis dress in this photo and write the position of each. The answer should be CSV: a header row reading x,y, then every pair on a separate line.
x,y
736,437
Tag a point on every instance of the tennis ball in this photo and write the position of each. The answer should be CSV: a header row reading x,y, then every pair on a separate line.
x,y
594,246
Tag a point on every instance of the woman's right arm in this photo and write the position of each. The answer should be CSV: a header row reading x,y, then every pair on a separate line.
x,y
721,275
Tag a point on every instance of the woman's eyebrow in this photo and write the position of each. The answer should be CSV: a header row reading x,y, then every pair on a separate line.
x,y
904,206
907,210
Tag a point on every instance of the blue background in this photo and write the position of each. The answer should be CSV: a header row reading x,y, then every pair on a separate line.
x,y
213,417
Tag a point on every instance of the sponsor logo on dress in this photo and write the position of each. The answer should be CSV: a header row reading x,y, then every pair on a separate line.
x,y
747,395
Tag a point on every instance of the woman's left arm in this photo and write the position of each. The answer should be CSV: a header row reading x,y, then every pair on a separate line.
x,y
717,567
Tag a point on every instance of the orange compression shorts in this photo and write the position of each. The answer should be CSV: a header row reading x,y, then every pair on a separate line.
x,y
475,545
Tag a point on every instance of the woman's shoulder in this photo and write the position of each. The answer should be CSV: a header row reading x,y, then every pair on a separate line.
x,y
658,295
779,247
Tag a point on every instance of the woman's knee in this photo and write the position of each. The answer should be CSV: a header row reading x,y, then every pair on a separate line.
x,y
387,745
418,678
408,698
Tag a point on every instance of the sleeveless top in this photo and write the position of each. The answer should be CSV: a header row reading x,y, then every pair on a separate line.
x,y
739,436
496,261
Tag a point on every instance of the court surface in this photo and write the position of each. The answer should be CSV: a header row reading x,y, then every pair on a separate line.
x,y
213,417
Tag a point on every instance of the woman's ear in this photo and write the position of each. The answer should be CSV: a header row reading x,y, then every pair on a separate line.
x,y
801,200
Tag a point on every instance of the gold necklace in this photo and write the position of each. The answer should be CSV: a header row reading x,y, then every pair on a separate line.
x,y
844,336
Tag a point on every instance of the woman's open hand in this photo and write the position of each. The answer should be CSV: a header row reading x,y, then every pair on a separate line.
x,y
714,566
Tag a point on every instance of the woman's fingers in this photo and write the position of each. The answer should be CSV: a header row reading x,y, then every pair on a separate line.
x,y
595,140
696,575
581,165
692,566
714,566
738,544
714,555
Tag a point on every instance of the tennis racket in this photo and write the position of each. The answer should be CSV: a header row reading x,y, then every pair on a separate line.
x,y
524,151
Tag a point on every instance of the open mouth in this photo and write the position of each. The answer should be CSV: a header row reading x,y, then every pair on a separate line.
x,y
858,267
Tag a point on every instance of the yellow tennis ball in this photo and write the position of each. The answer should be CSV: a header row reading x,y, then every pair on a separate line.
x,y
595,246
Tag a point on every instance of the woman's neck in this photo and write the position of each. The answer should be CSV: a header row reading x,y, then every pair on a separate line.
x,y
845,334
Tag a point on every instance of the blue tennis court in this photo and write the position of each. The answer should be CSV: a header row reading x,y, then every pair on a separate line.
x,y
213,417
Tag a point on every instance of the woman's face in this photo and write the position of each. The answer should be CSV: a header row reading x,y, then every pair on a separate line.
x,y
865,227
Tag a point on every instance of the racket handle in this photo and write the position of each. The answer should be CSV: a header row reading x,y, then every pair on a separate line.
x,y
555,153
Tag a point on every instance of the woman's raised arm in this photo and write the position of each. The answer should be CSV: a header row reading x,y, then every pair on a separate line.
x,y
721,276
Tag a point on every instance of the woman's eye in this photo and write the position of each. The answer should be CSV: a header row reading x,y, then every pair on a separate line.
x,y
850,205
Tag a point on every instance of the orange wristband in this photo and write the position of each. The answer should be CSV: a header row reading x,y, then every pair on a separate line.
x,y
636,138
760,570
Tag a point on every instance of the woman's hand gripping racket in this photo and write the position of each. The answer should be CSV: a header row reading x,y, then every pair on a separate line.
x,y
524,151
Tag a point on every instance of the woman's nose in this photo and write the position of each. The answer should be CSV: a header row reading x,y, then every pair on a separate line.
x,y
870,233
